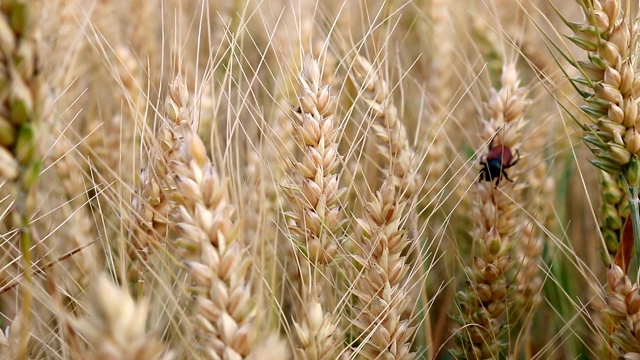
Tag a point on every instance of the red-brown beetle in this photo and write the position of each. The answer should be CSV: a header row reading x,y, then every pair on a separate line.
x,y
496,162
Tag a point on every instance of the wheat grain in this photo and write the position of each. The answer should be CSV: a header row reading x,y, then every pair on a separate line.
x,y
623,309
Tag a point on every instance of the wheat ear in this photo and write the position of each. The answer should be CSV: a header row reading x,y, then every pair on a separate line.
x,y
495,211
226,318
151,203
608,82
623,309
390,134
317,221
383,289
115,325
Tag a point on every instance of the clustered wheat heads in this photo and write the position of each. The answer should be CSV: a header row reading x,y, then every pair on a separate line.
x,y
204,219
483,304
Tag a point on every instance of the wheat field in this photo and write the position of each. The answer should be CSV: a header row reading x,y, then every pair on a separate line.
x,y
303,179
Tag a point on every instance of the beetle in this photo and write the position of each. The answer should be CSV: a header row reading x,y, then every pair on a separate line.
x,y
499,159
